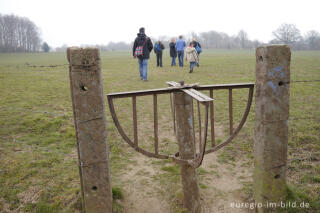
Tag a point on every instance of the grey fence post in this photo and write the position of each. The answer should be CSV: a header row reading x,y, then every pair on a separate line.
x,y
271,126
185,137
90,124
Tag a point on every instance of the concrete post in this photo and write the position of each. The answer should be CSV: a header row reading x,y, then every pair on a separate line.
x,y
185,137
271,127
90,124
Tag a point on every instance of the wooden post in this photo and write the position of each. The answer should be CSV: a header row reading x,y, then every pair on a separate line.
x,y
90,124
185,137
271,127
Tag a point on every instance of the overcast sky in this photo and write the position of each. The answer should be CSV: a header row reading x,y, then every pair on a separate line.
x,y
76,22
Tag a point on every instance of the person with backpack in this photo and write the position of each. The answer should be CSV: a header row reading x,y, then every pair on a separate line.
x,y
198,48
158,47
180,45
192,56
141,49
173,52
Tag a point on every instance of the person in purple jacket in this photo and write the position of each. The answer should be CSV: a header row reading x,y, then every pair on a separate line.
x,y
180,45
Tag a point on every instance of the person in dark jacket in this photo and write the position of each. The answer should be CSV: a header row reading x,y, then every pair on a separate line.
x,y
173,52
158,48
197,44
141,49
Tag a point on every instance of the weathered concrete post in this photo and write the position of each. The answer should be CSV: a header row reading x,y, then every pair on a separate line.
x,y
90,124
271,127
185,137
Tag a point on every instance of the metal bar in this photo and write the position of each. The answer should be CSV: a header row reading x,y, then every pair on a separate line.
x,y
135,126
199,117
214,86
225,86
199,160
176,89
212,120
193,129
173,113
155,115
144,92
230,112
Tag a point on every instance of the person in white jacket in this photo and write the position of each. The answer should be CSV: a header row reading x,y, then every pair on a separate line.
x,y
192,56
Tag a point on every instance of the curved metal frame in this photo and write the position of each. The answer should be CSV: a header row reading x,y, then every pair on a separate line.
x,y
197,161
194,163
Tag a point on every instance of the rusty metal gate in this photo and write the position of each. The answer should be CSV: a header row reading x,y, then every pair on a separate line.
x,y
193,91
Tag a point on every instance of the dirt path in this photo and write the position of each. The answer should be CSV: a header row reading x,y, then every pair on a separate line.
x,y
141,193
223,185
224,182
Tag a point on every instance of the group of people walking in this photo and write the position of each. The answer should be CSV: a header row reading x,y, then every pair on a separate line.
x,y
142,47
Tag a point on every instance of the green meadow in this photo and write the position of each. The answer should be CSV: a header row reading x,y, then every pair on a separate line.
x,y
38,157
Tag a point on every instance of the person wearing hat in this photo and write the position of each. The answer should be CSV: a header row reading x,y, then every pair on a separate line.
x,y
142,47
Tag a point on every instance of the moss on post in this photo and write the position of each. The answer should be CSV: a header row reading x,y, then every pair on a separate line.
x,y
271,127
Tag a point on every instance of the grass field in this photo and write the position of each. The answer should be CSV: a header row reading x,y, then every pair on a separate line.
x,y
38,158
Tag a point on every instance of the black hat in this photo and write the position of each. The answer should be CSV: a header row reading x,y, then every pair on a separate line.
x,y
141,30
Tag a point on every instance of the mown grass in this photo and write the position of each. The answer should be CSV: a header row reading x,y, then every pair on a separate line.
x,y
38,159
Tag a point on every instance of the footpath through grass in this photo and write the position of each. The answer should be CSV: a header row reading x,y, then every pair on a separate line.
x,y
38,159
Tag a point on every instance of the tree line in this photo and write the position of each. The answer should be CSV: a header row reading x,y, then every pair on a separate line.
x,y
18,34
285,34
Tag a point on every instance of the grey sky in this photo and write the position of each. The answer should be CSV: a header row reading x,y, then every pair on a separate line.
x,y
76,22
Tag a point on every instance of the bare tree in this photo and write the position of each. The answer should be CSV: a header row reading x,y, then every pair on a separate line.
x,y
313,40
18,34
287,34
243,38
